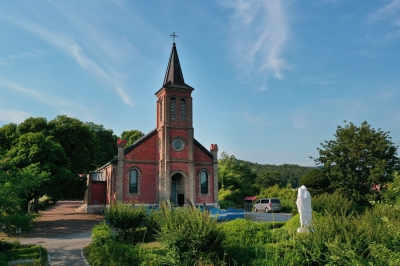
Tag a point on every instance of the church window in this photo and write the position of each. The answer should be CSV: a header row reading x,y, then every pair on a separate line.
x,y
133,181
173,109
178,144
183,109
204,182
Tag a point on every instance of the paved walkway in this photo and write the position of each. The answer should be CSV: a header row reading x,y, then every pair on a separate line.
x,y
63,232
61,219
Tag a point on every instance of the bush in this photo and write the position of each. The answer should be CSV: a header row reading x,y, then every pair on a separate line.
x,y
113,253
125,219
355,239
101,233
391,195
334,203
152,223
245,240
45,202
190,236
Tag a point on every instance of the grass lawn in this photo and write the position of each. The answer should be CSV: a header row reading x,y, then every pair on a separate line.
x,y
16,251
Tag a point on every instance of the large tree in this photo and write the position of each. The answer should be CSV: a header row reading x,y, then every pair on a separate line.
x,y
267,178
40,164
105,142
315,181
12,215
357,159
8,136
131,136
77,140
236,179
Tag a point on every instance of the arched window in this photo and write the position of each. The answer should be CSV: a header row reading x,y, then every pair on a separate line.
x,y
133,181
183,109
173,109
204,182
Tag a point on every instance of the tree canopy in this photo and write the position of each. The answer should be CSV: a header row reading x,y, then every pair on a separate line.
x,y
131,136
236,179
357,159
315,181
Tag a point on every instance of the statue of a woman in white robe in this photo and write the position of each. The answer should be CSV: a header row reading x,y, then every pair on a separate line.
x,y
304,206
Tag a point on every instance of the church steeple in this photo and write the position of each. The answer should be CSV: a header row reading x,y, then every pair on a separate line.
x,y
174,71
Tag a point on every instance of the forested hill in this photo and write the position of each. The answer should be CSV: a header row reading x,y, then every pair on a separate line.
x,y
291,173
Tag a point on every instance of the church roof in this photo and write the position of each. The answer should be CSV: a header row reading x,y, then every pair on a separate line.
x,y
173,75
198,144
174,71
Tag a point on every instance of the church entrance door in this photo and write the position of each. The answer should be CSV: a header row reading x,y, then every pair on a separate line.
x,y
177,189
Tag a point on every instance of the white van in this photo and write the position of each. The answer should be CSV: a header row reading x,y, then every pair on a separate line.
x,y
268,205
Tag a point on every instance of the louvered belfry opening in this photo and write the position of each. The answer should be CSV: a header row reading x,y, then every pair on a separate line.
x,y
172,114
183,109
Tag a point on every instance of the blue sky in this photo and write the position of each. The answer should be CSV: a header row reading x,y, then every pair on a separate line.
x,y
273,79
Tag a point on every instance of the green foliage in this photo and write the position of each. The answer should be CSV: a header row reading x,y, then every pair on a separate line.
x,y
270,178
113,253
287,196
290,173
351,240
152,223
77,141
315,181
236,179
105,142
357,159
45,157
125,219
16,251
131,136
8,135
190,236
335,203
100,233
12,216
391,195
245,240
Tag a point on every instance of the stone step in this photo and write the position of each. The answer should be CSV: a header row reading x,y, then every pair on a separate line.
x,y
81,209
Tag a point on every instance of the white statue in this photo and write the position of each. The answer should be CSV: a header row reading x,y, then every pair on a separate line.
x,y
304,206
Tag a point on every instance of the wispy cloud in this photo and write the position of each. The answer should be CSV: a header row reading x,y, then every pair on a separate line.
x,y
72,48
13,116
253,119
60,105
389,13
387,10
300,120
27,54
260,30
262,88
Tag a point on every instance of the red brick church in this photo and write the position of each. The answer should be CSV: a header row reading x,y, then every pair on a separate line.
x,y
167,164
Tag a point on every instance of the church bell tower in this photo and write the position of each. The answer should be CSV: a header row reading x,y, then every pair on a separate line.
x,y
176,171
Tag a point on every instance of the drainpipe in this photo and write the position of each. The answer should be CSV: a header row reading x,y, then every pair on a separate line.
x,y
214,152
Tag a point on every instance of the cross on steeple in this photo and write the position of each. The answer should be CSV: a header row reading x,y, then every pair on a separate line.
x,y
173,36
